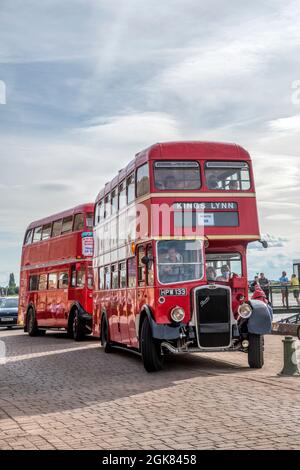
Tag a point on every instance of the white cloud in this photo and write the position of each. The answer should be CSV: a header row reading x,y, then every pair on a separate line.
x,y
288,124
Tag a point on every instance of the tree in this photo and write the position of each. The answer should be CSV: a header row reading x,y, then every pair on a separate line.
x,y
12,282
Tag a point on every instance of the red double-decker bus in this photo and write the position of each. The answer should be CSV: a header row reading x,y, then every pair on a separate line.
x,y
171,234
56,278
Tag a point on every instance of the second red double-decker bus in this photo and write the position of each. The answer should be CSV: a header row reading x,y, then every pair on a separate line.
x,y
170,273
56,278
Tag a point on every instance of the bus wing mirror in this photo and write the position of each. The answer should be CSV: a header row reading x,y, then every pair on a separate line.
x,y
264,243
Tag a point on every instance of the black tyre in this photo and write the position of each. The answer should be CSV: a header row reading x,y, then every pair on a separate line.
x,y
105,335
32,328
150,349
78,328
298,332
256,351
70,326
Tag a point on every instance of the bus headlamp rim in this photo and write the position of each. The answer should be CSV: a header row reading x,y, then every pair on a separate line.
x,y
177,310
245,310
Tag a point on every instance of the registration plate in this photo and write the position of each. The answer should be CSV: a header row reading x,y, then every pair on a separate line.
x,y
7,319
177,291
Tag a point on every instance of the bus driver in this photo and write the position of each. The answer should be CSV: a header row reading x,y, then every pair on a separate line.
x,y
171,266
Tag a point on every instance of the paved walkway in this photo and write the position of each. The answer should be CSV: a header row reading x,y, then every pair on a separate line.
x,y
58,394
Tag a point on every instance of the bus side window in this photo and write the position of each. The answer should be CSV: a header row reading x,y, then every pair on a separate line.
x,y
67,224
114,276
80,278
46,233
107,277
28,237
131,272
63,280
141,266
73,276
89,220
78,222
142,180
114,201
33,282
122,274
122,195
101,278
52,281
42,282
56,228
130,188
90,278
150,266
107,206
37,234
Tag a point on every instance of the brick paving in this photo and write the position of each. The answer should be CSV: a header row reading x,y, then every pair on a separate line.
x,y
58,394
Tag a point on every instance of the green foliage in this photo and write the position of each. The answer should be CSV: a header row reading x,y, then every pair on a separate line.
x,y
11,289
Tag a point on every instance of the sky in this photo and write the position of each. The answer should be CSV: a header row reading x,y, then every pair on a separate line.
x,y
86,84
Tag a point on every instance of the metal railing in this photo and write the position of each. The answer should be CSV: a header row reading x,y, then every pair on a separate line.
x,y
283,297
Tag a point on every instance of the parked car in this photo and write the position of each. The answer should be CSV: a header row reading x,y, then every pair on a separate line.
x,y
8,311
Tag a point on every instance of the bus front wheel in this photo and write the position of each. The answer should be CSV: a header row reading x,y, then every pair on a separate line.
x,y
77,327
105,335
150,349
32,328
256,351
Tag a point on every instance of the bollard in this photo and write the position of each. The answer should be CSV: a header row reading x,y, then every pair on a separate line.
x,y
290,365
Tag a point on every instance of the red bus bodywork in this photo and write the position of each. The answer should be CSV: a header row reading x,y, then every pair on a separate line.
x,y
56,270
128,289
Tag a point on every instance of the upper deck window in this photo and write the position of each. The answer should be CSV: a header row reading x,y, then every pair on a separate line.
x,y
114,201
46,231
99,216
67,224
227,176
56,229
89,220
130,188
142,180
37,234
78,222
28,237
107,206
122,195
177,175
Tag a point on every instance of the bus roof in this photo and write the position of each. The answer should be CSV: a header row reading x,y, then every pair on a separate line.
x,y
88,207
178,151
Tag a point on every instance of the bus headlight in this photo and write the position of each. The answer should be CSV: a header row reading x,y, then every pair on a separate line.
x,y
177,314
245,311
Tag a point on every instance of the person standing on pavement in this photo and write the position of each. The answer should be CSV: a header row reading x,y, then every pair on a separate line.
x,y
254,284
284,282
295,287
265,285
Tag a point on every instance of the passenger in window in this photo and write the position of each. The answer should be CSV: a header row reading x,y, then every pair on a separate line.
x,y
211,274
213,182
169,182
172,266
225,274
233,185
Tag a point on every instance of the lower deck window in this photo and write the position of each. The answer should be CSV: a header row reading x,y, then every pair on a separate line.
x,y
179,260
220,266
